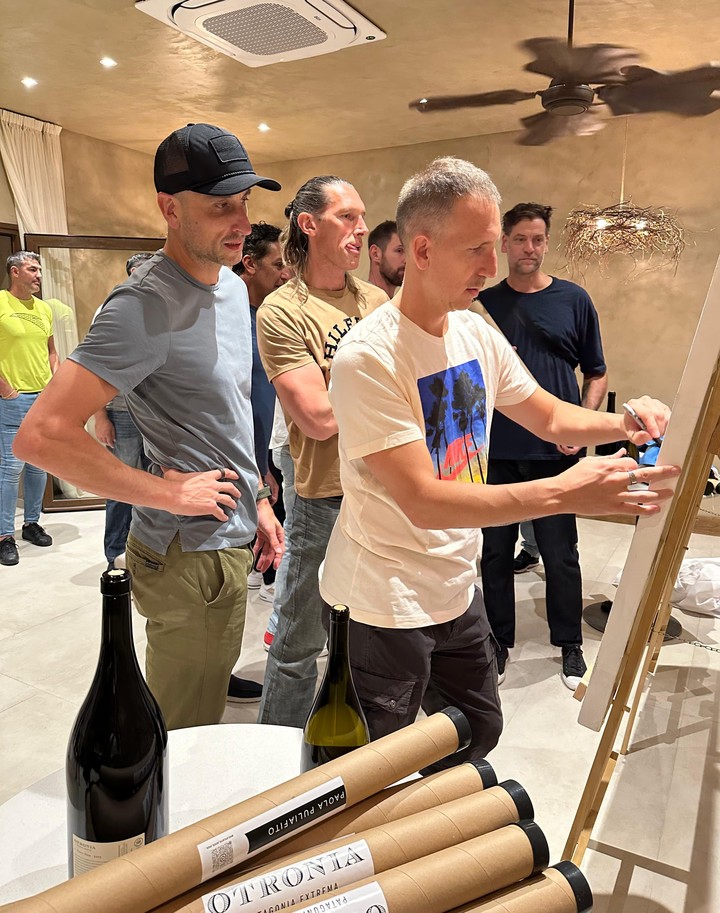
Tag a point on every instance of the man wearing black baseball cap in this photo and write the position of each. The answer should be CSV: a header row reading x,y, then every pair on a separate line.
x,y
175,340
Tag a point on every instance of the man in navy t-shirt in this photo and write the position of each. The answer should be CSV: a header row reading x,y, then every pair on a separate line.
x,y
554,327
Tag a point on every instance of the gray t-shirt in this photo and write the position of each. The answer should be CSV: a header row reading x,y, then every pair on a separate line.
x,y
181,353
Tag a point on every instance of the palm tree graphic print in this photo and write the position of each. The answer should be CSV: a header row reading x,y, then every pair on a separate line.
x,y
455,411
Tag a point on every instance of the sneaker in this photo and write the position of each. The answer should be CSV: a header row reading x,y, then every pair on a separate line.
x,y
503,655
34,533
267,592
524,561
573,667
8,551
255,580
267,640
243,691
120,563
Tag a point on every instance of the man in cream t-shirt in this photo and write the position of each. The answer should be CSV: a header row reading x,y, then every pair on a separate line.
x,y
413,391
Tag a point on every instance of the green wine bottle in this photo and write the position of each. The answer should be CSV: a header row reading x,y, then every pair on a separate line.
x,y
336,723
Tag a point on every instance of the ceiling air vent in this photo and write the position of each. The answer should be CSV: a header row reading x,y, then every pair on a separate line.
x,y
258,34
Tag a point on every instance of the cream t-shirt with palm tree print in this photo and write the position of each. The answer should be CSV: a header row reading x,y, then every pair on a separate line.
x,y
393,383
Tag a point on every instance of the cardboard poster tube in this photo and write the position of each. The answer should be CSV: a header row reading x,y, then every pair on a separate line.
x,y
161,870
340,863
560,889
445,880
389,805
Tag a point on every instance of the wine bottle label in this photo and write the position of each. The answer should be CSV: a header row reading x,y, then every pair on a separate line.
x,y
87,854
295,884
230,848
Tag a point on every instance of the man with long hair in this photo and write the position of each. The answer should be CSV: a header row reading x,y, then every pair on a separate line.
x,y
299,328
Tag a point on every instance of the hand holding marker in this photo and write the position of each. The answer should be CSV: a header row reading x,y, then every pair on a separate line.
x,y
640,423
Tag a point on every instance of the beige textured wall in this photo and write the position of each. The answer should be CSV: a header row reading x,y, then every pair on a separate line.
x,y
647,321
109,189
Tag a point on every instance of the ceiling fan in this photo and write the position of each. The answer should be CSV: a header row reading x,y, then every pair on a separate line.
x,y
588,85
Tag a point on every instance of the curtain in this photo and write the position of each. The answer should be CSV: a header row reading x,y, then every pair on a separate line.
x,y
31,155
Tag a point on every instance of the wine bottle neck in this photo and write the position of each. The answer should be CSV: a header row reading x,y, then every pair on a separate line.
x,y
117,635
338,648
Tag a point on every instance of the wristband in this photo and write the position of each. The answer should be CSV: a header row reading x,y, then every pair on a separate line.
x,y
263,492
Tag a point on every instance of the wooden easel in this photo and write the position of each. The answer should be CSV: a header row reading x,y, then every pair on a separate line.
x,y
636,626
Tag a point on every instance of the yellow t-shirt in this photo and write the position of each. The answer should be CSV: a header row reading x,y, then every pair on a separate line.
x,y
294,330
25,327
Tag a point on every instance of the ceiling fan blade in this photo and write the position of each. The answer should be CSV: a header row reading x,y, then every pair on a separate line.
x,y
689,93
478,100
590,64
543,128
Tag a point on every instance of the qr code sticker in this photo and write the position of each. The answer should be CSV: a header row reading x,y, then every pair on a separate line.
x,y
222,855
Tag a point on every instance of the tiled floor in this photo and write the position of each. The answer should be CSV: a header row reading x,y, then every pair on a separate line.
x,y
655,848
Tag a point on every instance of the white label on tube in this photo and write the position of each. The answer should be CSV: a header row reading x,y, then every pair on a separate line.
x,y
232,847
368,898
88,854
294,884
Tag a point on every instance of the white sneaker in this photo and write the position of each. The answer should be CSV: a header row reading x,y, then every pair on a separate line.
x,y
267,592
254,580
119,562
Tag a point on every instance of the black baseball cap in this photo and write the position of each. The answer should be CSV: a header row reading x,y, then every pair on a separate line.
x,y
205,159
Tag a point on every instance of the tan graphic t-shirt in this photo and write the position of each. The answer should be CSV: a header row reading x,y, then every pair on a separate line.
x,y
294,330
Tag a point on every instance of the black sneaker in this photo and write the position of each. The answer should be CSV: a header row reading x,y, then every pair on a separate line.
x,y
8,551
243,691
34,533
573,667
524,561
502,655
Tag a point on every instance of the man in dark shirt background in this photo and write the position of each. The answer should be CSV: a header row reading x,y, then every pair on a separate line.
x,y
553,325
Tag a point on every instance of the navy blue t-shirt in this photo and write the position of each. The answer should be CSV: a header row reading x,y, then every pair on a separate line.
x,y
554,331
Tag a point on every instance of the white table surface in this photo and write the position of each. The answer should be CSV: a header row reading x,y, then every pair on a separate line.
x,y
211,768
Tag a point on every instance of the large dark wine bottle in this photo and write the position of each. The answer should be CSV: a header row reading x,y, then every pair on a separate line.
x,y
116,768
336,723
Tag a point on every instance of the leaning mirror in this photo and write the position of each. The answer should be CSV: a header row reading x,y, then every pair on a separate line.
x,y
77,274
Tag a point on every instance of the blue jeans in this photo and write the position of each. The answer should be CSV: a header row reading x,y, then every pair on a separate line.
x,y
283,461
128,448
12,412
291,670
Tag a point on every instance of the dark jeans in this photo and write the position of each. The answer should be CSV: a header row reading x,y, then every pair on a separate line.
x,y
128,448
557,543
399,670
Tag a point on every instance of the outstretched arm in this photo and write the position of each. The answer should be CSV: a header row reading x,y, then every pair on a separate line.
x,y
597,486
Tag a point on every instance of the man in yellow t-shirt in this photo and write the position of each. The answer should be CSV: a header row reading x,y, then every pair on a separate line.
x,y
27,362
299,327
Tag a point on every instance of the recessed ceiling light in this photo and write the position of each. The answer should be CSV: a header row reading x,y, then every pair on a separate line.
x,y
29,82
108,62
263,128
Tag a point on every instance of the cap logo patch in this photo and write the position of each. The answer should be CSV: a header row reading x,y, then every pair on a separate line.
x,y
228,149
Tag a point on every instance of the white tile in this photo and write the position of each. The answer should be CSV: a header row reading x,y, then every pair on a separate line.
x,y
658,828
33,741
13,692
